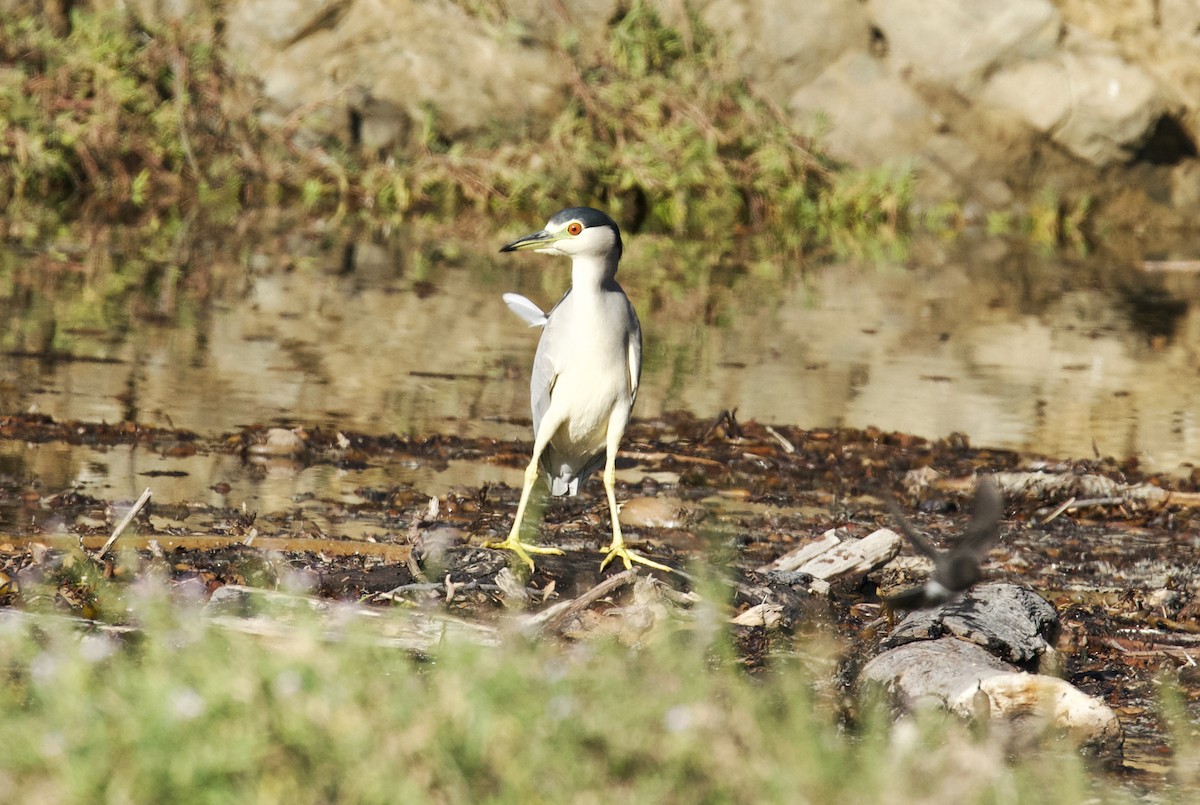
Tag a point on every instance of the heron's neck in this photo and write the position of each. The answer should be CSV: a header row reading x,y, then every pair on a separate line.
x,y
589,273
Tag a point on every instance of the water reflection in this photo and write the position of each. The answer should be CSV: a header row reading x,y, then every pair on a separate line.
x,y
1064,357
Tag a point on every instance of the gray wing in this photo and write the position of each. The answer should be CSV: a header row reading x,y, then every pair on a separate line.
x,y
635,354
918,540
545,372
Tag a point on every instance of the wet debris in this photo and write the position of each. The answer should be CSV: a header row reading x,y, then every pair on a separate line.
x,y
1111,547
1080,490
278,443
42,428
779,599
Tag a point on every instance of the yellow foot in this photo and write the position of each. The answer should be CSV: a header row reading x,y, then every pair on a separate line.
x,y
522,549
628,557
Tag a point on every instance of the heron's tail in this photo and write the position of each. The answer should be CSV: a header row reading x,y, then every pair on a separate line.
x,y
566,477
528,310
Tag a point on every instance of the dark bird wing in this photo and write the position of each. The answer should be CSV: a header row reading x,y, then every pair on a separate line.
x,y
984,529
923,546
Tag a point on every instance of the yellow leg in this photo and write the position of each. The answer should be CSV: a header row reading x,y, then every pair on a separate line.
x,y
513,543
616,429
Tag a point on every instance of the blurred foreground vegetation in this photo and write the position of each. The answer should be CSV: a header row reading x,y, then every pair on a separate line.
x,y
185,709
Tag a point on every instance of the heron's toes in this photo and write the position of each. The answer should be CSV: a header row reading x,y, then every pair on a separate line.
x,y
523,549
628,557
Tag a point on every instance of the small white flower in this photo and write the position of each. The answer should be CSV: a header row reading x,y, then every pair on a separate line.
x,y
287,683
185,704
96,648
43,669
679,718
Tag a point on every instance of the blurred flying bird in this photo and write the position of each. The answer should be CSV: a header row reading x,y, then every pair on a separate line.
x,y
958,568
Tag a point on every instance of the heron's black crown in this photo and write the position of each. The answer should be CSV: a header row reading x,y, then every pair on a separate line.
x,y
589,217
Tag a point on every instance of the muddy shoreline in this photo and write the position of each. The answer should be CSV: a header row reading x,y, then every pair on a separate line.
x,y
1119,570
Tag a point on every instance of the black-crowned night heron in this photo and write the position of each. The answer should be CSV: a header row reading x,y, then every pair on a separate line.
x,y
585,372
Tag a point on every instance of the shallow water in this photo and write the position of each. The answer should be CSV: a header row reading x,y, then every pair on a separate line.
x,y
1068,357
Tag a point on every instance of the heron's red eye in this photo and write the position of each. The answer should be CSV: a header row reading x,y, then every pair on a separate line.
x,y
574,228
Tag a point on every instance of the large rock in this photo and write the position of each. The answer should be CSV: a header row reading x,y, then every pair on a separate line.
x,y
1091,101
957,42
388,62
781,45
967,656
1160,36
863,113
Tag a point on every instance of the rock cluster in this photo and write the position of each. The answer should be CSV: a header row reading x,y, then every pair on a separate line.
x,y
990,102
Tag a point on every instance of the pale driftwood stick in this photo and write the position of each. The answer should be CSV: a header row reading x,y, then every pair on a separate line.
x,y
560,616
787,446
1066,504
1075,505
1171,266
414,528
440,587
125,521
805,553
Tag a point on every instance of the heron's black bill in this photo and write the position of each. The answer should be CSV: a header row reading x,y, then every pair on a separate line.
x,y
533,241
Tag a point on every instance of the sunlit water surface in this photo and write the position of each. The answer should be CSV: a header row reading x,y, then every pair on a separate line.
x,y
1069,357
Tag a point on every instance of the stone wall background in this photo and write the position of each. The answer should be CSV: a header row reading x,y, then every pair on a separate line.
x,y
992,102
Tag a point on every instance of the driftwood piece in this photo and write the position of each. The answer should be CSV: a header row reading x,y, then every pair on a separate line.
x,y
267,613
1042,485
961,656
778,593
1011,622
943,669
854,556
795,558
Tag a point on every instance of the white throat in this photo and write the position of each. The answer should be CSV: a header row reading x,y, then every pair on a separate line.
x,y
589,271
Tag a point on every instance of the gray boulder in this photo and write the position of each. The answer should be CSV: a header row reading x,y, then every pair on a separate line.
x,y
863,113
388,61
958,42
1097,105
780,45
